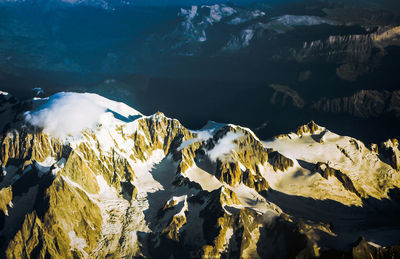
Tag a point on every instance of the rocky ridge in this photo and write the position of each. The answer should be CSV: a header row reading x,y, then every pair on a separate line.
x,y
355,54
145,186
362,104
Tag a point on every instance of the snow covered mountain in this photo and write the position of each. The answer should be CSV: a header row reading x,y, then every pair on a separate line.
x,y
86,177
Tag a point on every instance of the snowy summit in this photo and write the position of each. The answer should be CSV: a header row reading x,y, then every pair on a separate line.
x,y
70,113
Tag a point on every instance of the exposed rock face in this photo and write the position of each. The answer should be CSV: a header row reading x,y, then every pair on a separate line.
x,y
146,186
327,172
355,53
242,165
278,161
5,199
309,128
363,104
229,227
171,231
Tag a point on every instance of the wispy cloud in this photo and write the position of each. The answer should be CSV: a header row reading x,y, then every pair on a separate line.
x,y
224,146
66,114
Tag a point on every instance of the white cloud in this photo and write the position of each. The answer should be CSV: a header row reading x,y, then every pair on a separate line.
x,y
224,146
67,114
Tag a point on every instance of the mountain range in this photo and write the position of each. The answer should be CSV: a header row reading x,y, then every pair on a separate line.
x,y
83,176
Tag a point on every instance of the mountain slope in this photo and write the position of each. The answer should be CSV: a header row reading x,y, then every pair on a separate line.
x,y
86,177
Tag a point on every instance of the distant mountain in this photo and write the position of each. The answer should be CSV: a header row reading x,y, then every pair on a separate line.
x,y
111,5
363,104
356,54
222,41
86,177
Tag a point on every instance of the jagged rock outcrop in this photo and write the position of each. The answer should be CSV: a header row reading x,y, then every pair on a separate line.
x,y
241,165
326,171
229,231
309,128
171,231
278,161
355,53
363,104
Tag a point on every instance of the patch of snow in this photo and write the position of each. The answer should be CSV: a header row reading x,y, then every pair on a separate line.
x,y
119,218
242,167
208,130
227,238
251,199
184,207
44,166
77,243
245,129
187,143
306,148
144,179
105,190
374,245
206,180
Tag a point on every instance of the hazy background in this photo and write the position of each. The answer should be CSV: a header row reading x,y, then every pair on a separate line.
x,y
215,62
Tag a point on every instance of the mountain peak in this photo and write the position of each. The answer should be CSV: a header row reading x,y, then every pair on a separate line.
x,y
69,113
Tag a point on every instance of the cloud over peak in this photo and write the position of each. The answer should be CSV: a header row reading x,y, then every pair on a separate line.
x,y
69,113
66,114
